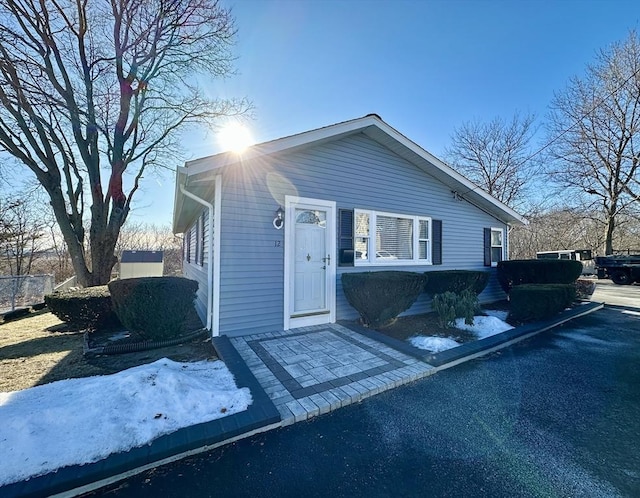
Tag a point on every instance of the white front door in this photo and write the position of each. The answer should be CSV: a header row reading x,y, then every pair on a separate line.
x,y
309,262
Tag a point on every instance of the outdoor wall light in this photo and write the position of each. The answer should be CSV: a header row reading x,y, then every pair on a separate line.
x,y
278,221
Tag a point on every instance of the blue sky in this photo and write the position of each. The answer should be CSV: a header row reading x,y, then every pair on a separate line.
x,y
424,66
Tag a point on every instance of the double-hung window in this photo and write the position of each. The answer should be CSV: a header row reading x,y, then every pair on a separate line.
x,y
497,245
391,239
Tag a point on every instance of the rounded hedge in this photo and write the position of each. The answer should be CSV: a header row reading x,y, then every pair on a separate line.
x,y
84,308
154,307
537,271
379,297
456,281
530,302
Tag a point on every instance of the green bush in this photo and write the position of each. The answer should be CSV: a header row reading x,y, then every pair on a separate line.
x,y
154,307
444,305
381,296
530,302
449,306
537,271
88,308
456,281
467,306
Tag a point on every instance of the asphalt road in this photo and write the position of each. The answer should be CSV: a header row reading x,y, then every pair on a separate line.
x,y
617,295
556,415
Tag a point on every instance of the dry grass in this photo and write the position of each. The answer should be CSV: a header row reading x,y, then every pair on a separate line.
x,y
39,348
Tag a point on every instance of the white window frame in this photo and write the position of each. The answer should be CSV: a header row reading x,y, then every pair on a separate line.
x,y
372,260
502,246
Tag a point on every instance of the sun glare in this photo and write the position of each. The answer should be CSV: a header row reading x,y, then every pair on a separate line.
x,y
235,137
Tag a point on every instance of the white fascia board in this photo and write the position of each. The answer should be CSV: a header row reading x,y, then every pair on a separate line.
x,y
178,199
465,183
469,189
301,139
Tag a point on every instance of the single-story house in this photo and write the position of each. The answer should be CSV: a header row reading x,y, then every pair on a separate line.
x,y
269,232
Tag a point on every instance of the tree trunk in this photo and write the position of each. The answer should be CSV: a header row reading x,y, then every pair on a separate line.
x,y
608,234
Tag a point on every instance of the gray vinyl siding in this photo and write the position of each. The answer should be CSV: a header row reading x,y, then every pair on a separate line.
x,y
355,172
205,238
194,270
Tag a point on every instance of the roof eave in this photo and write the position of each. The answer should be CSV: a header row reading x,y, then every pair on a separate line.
x,y
374,127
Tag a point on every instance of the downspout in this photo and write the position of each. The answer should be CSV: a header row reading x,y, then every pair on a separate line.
x,y
210,265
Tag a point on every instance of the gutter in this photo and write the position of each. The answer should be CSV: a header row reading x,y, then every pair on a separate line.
x,y
213,266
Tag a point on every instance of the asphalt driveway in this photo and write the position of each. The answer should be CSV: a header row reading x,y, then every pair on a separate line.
x,y
617,295
555,415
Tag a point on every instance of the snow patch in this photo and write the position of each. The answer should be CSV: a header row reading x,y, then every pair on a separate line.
x,y
434,344
79,421
484,326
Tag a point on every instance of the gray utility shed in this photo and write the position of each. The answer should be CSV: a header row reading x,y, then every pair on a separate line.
x,y
269,232
141,264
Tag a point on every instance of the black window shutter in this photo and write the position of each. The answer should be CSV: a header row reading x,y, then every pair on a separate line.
x,y
487,247
436,246
201,239
189,245
345,237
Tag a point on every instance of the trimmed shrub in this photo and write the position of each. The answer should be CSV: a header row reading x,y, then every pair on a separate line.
x,y
381,296
444,305
456,281
537,271
87,308
530,302
449,306
154,307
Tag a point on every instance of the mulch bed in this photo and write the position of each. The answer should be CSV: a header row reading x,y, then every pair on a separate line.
x,y
426,324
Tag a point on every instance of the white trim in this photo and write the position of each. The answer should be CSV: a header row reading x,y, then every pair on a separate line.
x,y
290,204
210,291
215,231
371,247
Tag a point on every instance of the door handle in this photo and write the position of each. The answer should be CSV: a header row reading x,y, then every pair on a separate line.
x,y
327,259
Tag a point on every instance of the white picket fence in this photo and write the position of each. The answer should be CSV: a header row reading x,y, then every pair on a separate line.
x,y
23,291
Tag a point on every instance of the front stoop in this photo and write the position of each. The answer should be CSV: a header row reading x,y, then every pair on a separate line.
x,y
313,370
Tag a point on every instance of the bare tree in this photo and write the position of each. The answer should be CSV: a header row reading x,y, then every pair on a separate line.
x,y
105,86
22,234
496,156
555,229
594,127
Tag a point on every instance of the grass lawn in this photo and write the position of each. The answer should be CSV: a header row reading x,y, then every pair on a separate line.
x,y
39,348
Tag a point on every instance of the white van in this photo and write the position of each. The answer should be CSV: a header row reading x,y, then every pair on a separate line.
x,y
582,255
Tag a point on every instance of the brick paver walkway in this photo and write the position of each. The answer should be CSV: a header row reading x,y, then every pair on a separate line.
x,y
312,370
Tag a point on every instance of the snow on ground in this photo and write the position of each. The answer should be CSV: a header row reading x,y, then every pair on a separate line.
x,y
80,421
434,344
483,326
